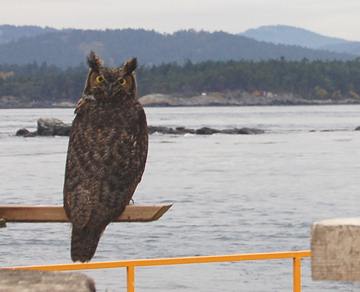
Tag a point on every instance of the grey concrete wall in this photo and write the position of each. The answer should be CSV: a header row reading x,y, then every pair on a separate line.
x,y
31,281
335,247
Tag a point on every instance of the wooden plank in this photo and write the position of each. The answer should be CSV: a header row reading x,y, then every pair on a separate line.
x,y
49,213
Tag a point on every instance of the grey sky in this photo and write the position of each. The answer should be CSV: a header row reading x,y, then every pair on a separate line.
x,y
330,17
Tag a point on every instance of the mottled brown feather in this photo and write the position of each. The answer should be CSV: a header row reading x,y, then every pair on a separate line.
x,y
106,159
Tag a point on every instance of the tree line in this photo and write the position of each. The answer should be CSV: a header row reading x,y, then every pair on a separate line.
x,y
308,79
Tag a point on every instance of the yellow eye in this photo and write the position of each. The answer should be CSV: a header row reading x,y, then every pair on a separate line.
x,y
122,81
99,79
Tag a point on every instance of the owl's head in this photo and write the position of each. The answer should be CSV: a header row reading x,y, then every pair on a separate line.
x,y
110,83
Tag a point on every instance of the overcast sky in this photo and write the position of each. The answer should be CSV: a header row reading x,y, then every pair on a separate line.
x,y
339,18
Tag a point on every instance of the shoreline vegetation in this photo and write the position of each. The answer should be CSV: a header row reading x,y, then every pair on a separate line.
x,y
209,83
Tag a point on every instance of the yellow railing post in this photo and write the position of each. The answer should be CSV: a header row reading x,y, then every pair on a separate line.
x,y
297,274
130,278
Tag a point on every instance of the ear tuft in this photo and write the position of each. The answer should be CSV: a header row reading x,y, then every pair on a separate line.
x,y
94,61
130,65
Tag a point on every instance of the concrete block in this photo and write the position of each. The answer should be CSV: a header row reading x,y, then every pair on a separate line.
x,y
335,248
38,281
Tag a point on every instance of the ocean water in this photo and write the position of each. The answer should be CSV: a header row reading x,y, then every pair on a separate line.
x,y
231,194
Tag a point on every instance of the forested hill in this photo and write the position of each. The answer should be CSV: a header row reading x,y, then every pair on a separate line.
x,y
69,47
9,33
335,80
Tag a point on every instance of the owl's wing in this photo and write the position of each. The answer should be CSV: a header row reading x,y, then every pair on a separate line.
x,y
77,194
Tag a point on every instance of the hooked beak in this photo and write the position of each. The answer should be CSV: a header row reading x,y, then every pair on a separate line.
x,y
110,89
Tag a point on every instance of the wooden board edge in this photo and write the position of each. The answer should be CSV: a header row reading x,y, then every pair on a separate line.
x,y
43,213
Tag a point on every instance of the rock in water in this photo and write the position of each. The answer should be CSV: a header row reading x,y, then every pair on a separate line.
x,y
243,131
52,127
206,131
25,133
22,132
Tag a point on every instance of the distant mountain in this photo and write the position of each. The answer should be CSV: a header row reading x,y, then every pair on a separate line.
x,y
348,47
9,33
289,35
69,47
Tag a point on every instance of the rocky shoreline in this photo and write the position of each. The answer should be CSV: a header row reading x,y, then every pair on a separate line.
x,y
56,127
231,98
237,98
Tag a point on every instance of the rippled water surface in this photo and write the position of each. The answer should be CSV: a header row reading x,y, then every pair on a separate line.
x,y
231,194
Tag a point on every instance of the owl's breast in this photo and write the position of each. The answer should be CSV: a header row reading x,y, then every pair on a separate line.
x,y
108,141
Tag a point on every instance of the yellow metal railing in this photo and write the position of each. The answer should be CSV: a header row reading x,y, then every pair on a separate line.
x,y
130,265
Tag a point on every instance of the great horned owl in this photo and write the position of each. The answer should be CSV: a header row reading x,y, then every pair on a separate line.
x,y
106,155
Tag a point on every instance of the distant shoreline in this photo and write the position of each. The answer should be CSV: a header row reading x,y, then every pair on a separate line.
x,y
230,99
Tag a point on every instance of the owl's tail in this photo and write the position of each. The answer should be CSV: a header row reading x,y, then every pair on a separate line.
x,y
84,242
